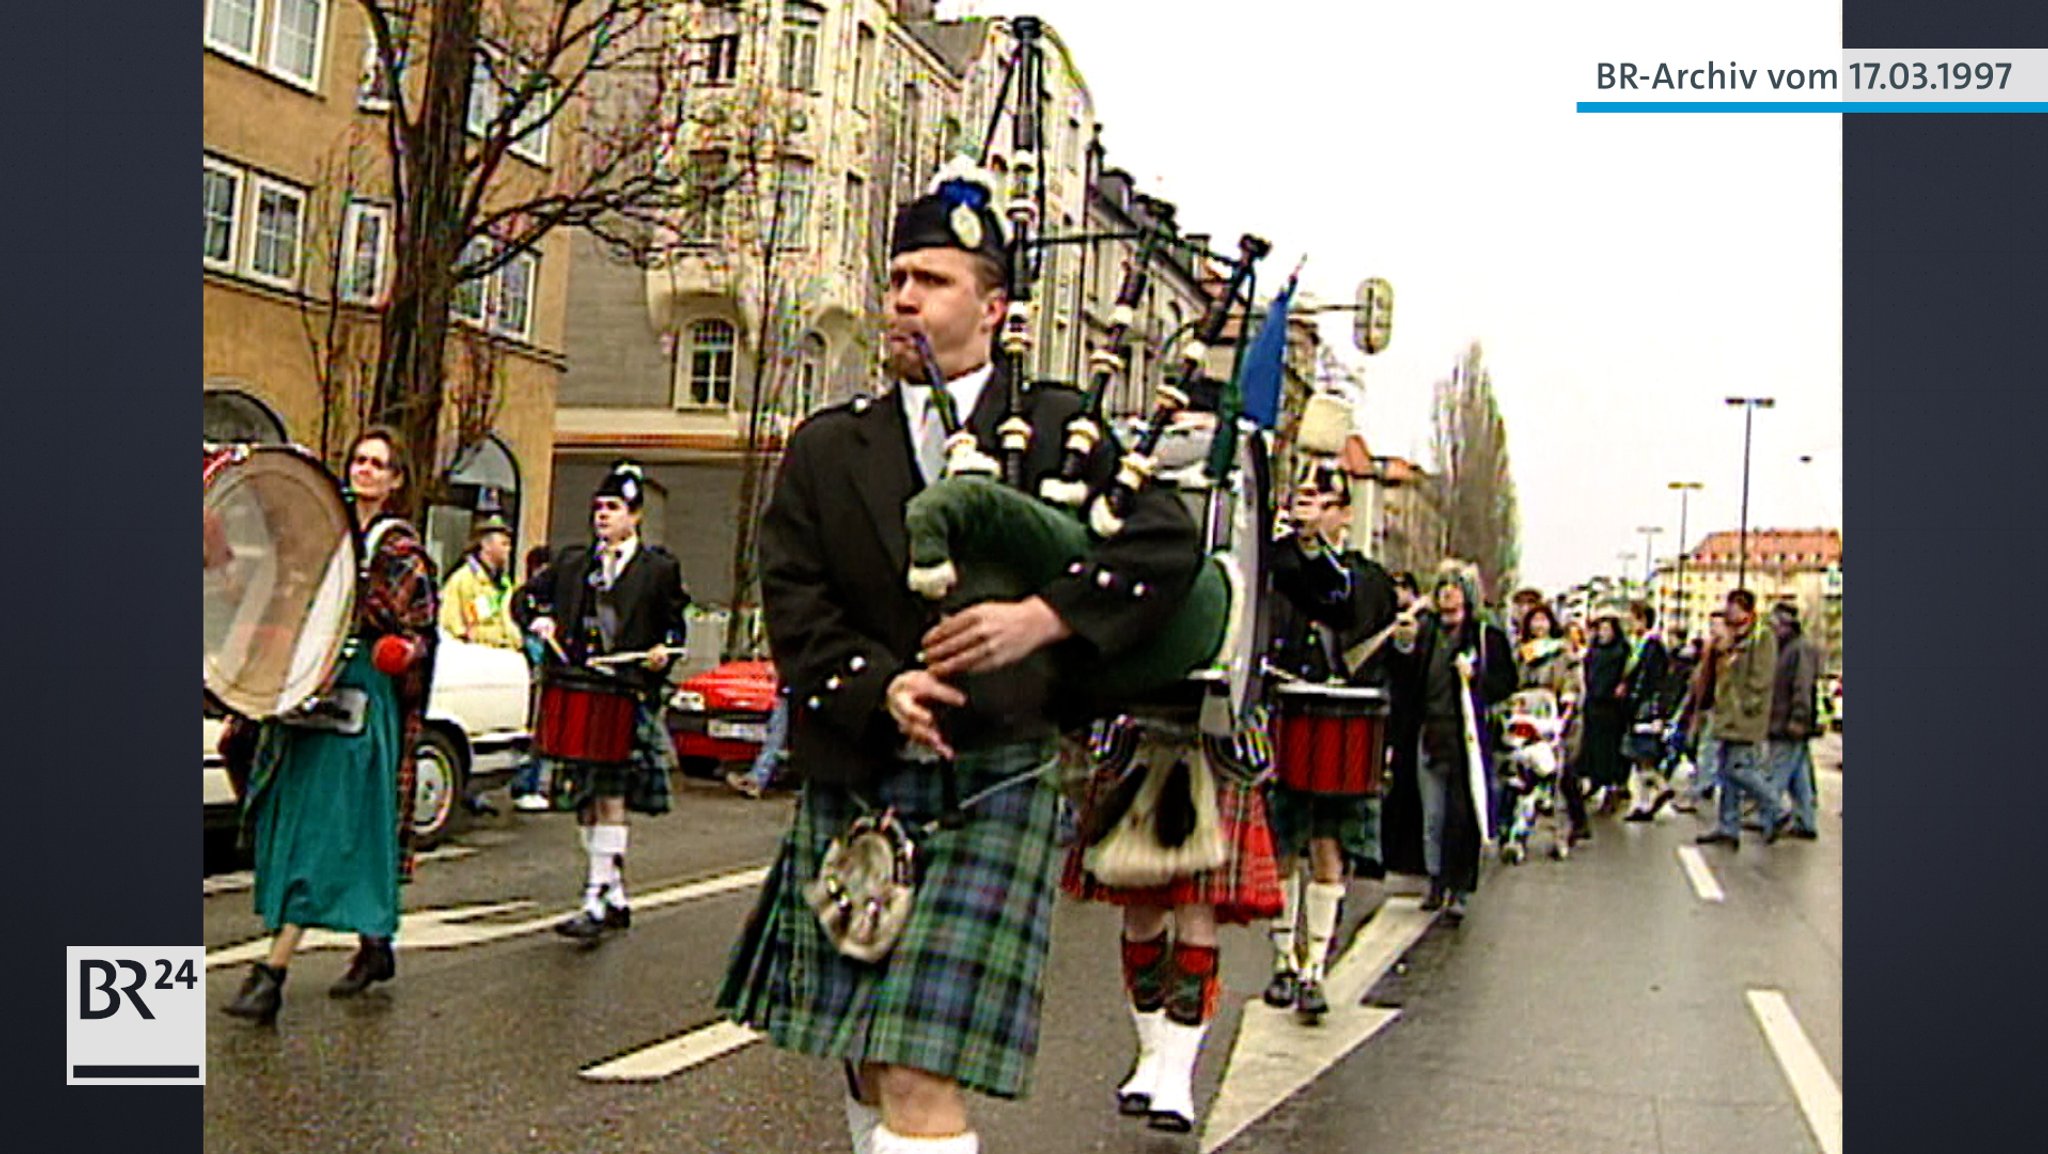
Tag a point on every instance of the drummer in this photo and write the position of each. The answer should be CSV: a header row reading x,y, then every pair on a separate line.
x,y
618,595
1332,598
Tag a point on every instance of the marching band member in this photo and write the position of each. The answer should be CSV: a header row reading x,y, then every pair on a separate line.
x,y
879,694
1331,599
330,808
619,595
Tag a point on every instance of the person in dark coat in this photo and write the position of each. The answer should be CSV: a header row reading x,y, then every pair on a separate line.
x,y
1649,668
1601,766
1428,823
889,705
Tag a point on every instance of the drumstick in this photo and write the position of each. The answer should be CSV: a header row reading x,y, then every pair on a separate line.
x,y
1362,652
621,658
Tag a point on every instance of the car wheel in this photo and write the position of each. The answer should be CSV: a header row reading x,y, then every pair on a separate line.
x,y
437,789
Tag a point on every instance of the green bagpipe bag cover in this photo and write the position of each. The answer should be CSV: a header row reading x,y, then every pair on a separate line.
x,y
976,539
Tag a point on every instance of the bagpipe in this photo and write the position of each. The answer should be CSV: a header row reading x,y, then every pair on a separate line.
x,y
976,534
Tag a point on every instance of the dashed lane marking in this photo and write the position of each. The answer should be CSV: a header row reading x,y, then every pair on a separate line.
x,y
1819,1098
1699,875
1274,1056
677,1054
455,926
240,880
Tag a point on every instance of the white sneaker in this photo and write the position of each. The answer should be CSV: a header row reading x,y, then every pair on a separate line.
x,y
530,803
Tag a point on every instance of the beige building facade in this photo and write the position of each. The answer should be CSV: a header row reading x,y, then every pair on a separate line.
x,y
802,127
296,260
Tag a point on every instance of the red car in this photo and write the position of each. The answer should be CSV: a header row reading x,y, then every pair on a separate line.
x,y
720,717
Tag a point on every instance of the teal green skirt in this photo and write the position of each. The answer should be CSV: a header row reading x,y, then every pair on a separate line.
x,y
324,808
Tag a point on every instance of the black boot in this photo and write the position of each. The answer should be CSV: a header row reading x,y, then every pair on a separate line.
x,y
1309,1003
1281,990
260,997
1434,900
374,962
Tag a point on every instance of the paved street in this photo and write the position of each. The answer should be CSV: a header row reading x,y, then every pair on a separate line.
x,y
1601,1004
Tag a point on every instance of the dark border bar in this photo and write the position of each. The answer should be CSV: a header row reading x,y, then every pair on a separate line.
x,y
135,1071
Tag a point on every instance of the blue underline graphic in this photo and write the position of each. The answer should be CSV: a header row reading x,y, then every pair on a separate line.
x,y
1815,106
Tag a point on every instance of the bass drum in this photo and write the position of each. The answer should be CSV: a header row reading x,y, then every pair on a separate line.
x,y
281,564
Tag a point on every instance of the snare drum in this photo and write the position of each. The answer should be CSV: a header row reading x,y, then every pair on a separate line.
x,y
584,717
1330,739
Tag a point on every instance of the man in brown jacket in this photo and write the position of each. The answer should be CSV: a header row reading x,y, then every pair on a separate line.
x,y
1741,721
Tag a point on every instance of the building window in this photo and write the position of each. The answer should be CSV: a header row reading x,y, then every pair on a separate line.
x,y
274,247
283,37
863,66
365,230
295,29
378,88
231,28
810,371
512,308
221,204
722,58
856,207
704,204
711,363
800,24
792,202
467,301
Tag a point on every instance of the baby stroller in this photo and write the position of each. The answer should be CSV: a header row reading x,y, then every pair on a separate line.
x,y
1532,772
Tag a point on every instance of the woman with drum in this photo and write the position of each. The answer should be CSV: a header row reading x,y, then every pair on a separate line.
x,y
610,615
330,789
1330,735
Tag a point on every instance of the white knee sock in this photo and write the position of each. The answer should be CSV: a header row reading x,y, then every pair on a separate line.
x,y
861,1122
1286,958
888,1141
608,862
1320,906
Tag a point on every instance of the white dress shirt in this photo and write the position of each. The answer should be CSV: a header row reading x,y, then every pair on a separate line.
x,y
926,435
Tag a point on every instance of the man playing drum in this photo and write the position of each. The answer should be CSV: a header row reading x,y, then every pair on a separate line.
x,y
879,694
1331,600
601,737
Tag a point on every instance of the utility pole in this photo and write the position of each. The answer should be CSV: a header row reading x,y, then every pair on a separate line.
x,y
1685,490
1749,407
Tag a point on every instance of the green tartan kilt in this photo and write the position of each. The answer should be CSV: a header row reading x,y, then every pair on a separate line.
x,y
1353,822
960,995
642,780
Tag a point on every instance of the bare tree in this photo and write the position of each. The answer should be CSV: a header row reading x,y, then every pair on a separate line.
x,y
1475,486
470,85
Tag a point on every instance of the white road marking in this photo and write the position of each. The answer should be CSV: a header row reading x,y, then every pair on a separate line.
x,y
239,880
1819,1098
1274,1056
675,1055
457,925
1699,875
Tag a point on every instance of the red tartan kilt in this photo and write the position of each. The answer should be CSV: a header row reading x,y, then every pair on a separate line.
x,y
1244,889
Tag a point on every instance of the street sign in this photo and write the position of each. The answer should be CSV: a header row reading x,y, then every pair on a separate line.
x,y
1372,326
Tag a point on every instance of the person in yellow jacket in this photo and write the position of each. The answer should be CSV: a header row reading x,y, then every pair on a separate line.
x,y
475,604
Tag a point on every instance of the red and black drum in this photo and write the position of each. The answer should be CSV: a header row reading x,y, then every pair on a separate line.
x,y
585,716
1330,739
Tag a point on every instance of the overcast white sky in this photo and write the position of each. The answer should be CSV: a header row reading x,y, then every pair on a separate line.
x,y
1624,273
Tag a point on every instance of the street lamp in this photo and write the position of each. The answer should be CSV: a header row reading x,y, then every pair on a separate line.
x,y
1749,407
1685,491
1625,556
1649,533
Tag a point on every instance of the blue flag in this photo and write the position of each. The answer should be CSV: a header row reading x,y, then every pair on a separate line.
x,y
1260,377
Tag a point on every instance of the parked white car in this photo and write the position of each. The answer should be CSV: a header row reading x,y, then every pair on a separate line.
x,y
476,732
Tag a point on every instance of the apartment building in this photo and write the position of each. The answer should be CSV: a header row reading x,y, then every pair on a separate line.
x,y
296,258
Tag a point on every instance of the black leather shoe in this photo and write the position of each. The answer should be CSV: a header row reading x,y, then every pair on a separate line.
x,y
1434,899
617,917
260,997
374,962
1803,834
1640,815
1716,837
584,927
1309,1003
1280,992
1454,910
